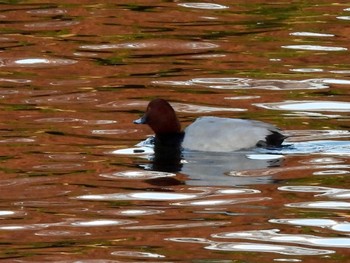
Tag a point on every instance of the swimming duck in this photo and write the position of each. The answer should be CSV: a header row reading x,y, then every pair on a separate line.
x,y
210,134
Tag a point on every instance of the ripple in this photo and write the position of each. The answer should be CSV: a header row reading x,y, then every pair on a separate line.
x,y
55,24
210,55
237,191
331,172
8,213
24,227
17,81
246,83
330,205
35,191
307,105
271,248
315,48
9,92
341,227
49,11
305,188
61,233
131,212
315,222
331,81
4,213
60,119
188,108
344,71
180,107
36,62
277,170
102,222
137,254
343,18
264,156
176,226
113,131
189,240
70,82
59,166
272,235
66,156
219,202
204,6
124,104
17,140
82,121
22,181
100,122
308,135
307,70
304,114
310,34
119,46
6,39
242,98
151,196
157,45
305,222
138,175
44,203
324,160
67,98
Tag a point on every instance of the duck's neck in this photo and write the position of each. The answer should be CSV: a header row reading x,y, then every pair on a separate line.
x,y
170,139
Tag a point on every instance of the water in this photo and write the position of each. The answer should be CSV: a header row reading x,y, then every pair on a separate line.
x,y
77,185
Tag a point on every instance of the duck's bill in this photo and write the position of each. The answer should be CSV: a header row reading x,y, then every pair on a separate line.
x,y
142,120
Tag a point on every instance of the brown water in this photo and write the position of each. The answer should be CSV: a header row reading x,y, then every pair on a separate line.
x,y
74,75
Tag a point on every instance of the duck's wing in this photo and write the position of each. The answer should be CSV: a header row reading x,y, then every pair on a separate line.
x,y
226,135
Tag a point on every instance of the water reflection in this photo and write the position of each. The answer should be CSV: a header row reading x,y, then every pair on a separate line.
x,y
205,168
217,168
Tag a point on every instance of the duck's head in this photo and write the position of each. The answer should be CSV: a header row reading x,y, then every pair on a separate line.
x,y
161,117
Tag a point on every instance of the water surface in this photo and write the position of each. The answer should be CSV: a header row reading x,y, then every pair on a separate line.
x,y
76,184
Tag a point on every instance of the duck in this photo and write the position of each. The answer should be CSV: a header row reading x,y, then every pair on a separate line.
x,y
208,133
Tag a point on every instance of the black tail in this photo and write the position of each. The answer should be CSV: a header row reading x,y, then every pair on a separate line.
x,y
275,139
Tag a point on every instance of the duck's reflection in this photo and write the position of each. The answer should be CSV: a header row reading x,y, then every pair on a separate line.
x,y
211,168
167,158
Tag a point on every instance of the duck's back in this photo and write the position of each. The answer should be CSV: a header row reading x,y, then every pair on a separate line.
x,y
216,134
